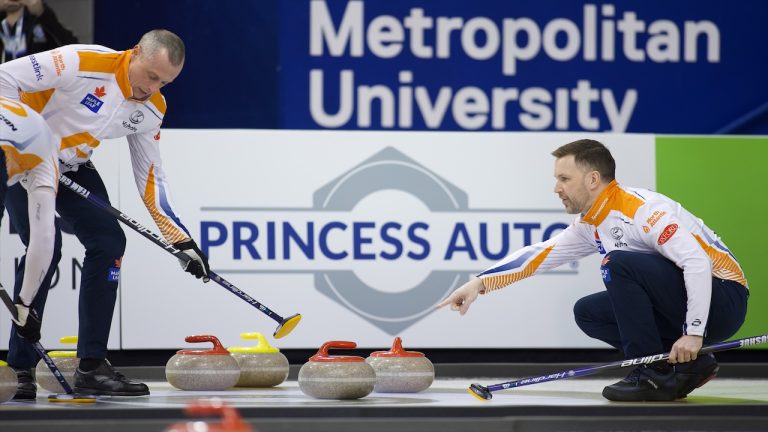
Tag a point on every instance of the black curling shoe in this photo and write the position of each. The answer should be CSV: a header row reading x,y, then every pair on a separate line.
x,y
26,389
105,380
644,383
695,374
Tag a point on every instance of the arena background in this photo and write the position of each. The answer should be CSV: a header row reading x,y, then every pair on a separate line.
x,y
691,127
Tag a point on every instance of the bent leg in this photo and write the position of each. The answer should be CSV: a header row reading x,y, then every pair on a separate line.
x,y
649,300
594,315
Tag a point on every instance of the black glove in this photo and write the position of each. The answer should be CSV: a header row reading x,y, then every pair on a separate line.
x,y
198,265
26,323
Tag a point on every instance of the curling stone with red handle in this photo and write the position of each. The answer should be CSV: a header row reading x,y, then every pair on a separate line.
x,y
336,377
260,366
66,361
213,369
231,421
8,382
401,371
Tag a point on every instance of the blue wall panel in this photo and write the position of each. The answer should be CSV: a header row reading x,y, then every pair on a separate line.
x,y
249,64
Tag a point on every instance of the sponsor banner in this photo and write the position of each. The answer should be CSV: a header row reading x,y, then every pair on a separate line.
x,y
360,232
523,65
691,66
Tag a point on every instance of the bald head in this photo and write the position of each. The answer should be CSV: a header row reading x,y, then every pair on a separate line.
x,y
156,61
157,41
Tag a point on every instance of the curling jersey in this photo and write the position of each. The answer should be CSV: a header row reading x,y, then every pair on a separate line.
x,y
635,220
30,159
30,155
84,94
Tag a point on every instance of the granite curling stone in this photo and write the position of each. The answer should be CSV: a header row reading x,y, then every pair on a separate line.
x,y
8,382
66,361
336,377
213,369
401,371
231,421
260,366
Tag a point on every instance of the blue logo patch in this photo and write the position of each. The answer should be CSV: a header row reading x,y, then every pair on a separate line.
x,y
92,102
114,274
606,273
600,247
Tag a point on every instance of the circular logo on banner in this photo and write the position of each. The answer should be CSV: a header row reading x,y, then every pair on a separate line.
x,y
389,170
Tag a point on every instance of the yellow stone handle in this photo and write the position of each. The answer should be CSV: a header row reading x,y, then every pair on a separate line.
x,y
68,340
261,340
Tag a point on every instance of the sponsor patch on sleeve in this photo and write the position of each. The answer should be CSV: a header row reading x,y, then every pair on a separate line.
x,y
58,61
667,234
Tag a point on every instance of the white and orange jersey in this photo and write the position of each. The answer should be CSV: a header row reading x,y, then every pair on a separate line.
x,y
30,153
635,220
31,160
84,94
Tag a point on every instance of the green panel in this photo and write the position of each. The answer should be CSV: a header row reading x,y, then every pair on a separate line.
x,y
721,180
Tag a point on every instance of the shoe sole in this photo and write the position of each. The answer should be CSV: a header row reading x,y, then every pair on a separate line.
x,y
637,397
95,392
25,397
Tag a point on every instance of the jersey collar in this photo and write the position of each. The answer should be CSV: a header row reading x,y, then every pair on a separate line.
x,y
602,206
121,74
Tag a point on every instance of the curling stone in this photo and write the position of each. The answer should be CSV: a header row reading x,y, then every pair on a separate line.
x,y
231,421
260,366
213,369
66,361
336,377
8,382
401,371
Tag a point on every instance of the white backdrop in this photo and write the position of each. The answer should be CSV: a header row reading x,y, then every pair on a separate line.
x,y
269,182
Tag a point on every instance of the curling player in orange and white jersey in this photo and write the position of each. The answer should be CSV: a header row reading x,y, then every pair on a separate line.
x,y
671,283
89,93
29,158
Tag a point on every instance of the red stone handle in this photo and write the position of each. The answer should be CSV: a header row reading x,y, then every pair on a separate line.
x,y
323,356
397,346
230,418
397,351
218,348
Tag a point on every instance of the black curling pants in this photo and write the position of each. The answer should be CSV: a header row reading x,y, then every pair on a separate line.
x,y
643,309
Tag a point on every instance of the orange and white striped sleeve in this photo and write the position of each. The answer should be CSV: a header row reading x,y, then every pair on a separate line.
x,y
153,187
568,245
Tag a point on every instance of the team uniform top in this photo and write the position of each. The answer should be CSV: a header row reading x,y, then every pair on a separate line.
x,y
30,159
84,94
30,156
635,220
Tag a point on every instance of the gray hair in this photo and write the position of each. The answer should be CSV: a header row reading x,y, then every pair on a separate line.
x,y
154,40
